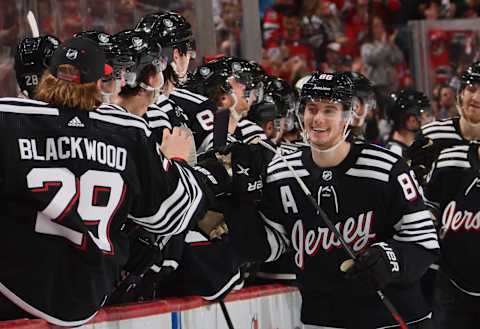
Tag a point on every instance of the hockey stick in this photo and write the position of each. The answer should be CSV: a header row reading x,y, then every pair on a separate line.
x,y
388,304
225,314
32,22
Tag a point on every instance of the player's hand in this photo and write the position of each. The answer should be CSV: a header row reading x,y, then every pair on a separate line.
x,y
422,153
178,144
376,267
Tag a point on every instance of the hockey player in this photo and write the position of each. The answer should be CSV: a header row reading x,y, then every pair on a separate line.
x,y
183,107
365,95
233,84
371,197
442,134
406,112
70,177
453,186
32,58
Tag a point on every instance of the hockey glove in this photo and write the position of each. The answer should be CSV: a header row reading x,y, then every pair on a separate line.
x,y
422,153
376,267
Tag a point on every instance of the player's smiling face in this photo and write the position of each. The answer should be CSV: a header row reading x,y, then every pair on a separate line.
x,y
471,103
324,122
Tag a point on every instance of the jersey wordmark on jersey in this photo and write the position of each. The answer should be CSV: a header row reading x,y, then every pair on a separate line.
x,y
454,186
370,197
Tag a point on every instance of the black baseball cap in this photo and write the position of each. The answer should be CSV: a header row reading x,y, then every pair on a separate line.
x,y
83,54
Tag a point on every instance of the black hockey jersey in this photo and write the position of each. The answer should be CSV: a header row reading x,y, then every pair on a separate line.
x,y
454,186
68,181
199,110
164,114
370,197
396,147
445,133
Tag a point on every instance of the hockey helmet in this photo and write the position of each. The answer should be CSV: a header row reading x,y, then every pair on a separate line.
x,y
32,57
405,103
134,52
170,29
470,76
330,87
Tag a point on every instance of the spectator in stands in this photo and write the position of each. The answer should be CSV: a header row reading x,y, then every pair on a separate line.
x,y
446,103
380,56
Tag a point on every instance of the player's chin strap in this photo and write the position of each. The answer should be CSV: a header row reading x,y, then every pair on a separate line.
x,y
346,131
233,112
388,304
156,91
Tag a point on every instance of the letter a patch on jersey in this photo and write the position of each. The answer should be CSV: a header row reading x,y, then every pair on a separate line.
x,y
287,200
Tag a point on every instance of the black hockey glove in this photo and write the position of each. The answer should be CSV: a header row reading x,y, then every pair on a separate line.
x,y
376,267
422,153
248,170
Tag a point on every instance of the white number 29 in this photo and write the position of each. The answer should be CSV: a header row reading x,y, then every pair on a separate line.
x,y
84,190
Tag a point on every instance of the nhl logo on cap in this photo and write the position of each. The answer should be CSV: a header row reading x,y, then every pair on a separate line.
x,y
204,71
167,22
137,42
71,54
102,37
236,66
327,175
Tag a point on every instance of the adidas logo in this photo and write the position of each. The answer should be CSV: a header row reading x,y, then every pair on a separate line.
x,y
75,122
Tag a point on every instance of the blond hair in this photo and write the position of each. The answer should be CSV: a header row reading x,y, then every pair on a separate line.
x,y
67,94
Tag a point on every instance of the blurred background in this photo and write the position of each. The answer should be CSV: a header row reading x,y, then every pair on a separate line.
x,y
395,43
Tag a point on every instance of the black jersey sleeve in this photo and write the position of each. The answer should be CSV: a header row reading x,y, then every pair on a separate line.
x,y
171,198
414,237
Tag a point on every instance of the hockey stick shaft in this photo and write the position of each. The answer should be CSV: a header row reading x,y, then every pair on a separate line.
x,y
32,22
225,314
388,304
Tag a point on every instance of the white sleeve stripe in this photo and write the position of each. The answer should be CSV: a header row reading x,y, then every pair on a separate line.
x,y
365,173
279,227
156,114
428,236
205,143
415,225
184,217
160,123
374,163
188,92
114,112
428,244
277,158
22,100
166,205
185,96
453,163
380,154
446,155
251,129
28,109
438,129
417,232
444,135
439,123
280,165
121,122
416,216
160,222
286,174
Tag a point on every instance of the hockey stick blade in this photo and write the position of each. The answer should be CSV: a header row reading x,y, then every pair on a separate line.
x,y
388,304
32,22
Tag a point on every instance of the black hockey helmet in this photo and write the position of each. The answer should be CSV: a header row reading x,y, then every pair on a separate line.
x,y
263,112
331,87
471,75
281,93
405,103
32,57
170,29
134,52
217,73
